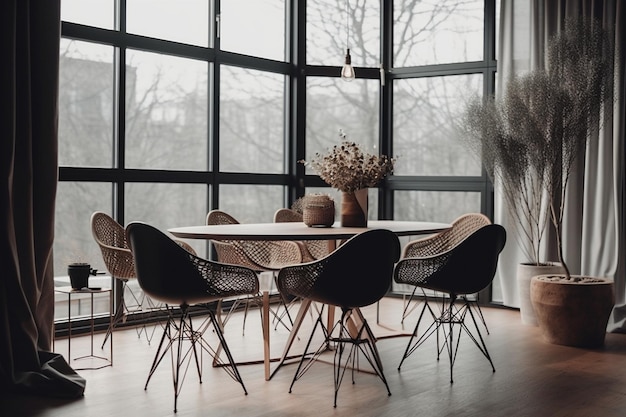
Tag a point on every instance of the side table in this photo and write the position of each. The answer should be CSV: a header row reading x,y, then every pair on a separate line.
x,y
69,291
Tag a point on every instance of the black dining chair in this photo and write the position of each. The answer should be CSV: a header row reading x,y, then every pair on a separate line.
x,y
355,275
119,262
443,241
466,268
176,277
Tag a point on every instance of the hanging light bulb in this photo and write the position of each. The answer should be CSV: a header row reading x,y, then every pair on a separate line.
x,y
347,71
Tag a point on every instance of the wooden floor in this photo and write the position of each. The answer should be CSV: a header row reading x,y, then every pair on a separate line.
x,y
532,378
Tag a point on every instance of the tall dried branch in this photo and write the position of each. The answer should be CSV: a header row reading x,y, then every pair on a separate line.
x,y
530,140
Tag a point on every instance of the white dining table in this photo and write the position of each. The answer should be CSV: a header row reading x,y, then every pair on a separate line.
x,y
297,231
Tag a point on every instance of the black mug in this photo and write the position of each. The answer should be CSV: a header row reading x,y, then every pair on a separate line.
x,y
79,275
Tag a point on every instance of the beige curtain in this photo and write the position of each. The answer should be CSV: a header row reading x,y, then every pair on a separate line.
x,y
29,46
594,224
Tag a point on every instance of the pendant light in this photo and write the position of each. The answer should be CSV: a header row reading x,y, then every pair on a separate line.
x,y
347,71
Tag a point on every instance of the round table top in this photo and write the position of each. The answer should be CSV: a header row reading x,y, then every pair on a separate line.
x,y
299,231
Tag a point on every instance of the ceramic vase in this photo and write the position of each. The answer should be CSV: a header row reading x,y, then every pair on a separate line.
x,y
354,208
525,272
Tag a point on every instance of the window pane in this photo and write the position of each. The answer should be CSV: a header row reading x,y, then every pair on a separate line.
x,y
437,32
168,205
252,109
333,104
426,116
85,104
332,27
434,206
185,21
166,112
98,13
73,241
251,203
253,27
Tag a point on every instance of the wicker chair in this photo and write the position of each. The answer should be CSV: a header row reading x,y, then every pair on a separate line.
x,y
260,256
466,268
311,249
120,263
172,275
441,242
355,275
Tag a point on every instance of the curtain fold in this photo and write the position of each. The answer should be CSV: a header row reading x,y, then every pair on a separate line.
x,y
28,174
594,224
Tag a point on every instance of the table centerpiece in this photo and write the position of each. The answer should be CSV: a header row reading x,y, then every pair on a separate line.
x,y
352,171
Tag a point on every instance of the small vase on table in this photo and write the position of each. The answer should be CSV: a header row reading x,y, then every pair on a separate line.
x,y
354,208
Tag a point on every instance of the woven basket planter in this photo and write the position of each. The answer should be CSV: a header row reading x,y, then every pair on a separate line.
x,y
318,211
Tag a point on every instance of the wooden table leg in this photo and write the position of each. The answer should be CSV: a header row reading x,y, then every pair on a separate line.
x,y
266,333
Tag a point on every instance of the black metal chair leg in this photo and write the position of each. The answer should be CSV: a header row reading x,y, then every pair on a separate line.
x,y
300,370
434,326
362,337
231,369
160,351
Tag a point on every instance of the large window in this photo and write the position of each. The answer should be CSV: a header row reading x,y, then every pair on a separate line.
x,y
431,32
252,121
187,106
426,115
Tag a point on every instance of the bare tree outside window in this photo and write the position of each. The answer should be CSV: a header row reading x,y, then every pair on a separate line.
x,y
334,25
252,120
333,104
86,102
429,32
169,121
251,203
425,108
426,113
166,108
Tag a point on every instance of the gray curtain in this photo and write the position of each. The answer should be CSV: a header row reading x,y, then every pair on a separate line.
x,y
28,178
594,224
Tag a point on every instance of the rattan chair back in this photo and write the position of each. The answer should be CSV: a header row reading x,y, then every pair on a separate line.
x,y
111,239
311,249
259,255
285,215
462,227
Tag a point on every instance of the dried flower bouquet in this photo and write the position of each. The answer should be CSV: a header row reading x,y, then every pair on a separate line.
x,y
348,168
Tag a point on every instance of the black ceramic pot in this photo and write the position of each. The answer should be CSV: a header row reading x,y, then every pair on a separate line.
x,y
79,275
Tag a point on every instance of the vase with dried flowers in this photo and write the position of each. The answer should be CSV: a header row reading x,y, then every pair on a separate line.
x,y
352,171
